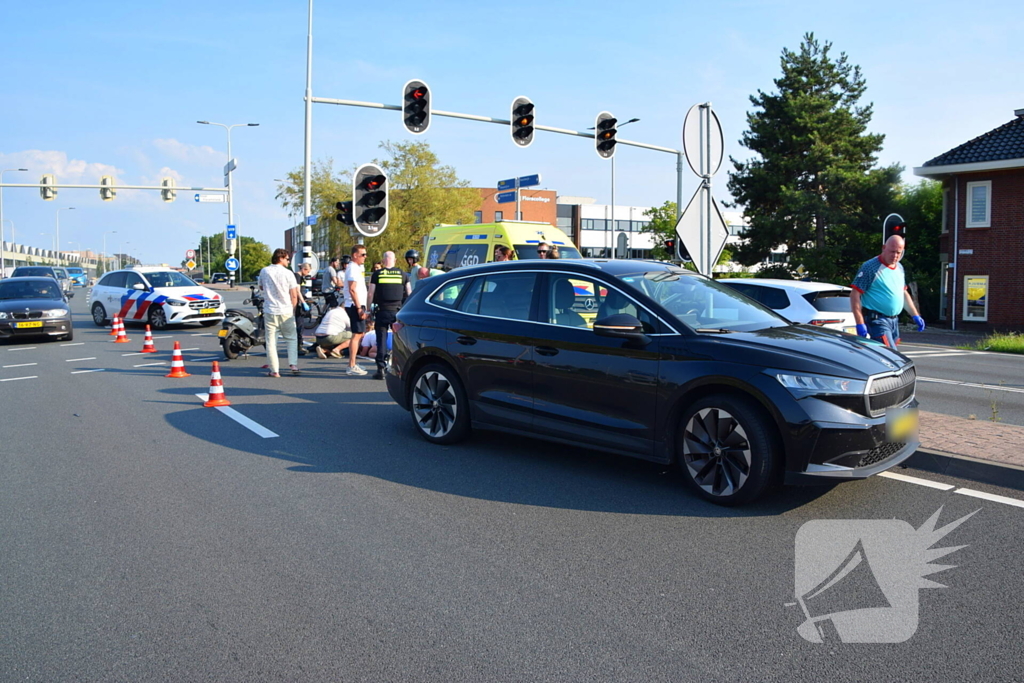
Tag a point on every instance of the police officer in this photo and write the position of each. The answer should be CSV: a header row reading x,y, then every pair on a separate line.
x,y
388,290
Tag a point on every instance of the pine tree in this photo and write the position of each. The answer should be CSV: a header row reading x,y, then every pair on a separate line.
x,y
815,187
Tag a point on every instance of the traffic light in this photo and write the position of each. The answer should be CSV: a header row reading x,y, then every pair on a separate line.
x,y
522,121
168,193
670,247
416,107
893,225
604,135
370,203
107,191
48,187
344,213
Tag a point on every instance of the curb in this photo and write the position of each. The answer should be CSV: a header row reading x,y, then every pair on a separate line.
x,y
966,467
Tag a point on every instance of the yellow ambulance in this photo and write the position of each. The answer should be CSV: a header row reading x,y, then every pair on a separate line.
x,y
453,246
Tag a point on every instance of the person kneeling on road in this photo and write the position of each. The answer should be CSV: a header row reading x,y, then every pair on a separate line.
x,y
388,290
333,333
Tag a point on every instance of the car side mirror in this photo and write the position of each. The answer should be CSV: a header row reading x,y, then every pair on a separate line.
x,y
139,286
621,326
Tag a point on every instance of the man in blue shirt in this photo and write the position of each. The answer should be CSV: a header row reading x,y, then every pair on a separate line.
x,y
880,293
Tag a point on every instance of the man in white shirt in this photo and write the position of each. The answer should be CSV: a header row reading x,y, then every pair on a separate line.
x,y
355,304
280,297
333,333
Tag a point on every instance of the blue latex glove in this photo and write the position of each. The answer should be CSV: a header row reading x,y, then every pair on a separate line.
x,y
920,323
862,331
305,307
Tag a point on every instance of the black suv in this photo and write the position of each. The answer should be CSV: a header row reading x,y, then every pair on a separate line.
x,y
649,360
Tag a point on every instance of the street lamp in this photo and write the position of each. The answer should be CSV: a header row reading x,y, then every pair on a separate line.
x,y
3,264
108,232
231,204
56,239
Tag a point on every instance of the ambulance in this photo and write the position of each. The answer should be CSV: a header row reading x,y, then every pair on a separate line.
x,y
454,246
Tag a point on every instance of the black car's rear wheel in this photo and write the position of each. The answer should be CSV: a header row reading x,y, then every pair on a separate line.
x,y
440,409
727,449
99,315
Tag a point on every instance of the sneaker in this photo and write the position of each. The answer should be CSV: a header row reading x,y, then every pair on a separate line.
x,y
320,353
355,370
379,375
335,354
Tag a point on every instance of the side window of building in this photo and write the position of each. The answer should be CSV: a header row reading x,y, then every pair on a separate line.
x,y
499,216
979,204
478,216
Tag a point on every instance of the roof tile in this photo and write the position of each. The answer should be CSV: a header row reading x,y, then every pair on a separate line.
x,y
1004,142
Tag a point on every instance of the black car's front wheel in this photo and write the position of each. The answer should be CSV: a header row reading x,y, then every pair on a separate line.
x,y
440,409
727,449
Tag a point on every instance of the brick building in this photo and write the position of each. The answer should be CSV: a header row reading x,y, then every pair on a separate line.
x,y
982,242
534,205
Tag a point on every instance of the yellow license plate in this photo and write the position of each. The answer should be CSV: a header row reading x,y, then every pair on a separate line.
x,y
850,330
34,323
208,310
222,333
901,424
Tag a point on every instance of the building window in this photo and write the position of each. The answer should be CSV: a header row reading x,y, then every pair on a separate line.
x,y
478,216
976,298
499,216
945,210
979,204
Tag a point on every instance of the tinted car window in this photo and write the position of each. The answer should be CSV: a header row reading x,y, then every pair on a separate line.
x,y
114,280
449,294
32,289
529,251
837,301
575,301
37,271
774,298
168,278
132,279
507,295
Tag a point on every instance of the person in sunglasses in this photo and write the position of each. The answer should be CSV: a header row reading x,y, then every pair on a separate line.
x,y
543,250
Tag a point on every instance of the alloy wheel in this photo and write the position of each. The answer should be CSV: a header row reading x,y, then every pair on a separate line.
x,y
716,451
434,404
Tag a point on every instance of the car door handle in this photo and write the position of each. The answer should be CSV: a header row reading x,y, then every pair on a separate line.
x,y
466,341
546,350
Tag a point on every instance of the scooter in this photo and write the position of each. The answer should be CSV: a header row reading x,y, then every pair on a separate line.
x,y
241,329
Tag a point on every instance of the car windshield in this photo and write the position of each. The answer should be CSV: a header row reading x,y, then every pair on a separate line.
x,y
529,251
75,271
703,304
168,278
33,289
23,272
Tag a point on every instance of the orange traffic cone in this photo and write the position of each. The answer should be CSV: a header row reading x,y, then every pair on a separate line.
x,y
216,389
122,337
113,326
177,363
147,344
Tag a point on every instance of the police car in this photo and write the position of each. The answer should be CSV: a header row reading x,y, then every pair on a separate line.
x,y
156,295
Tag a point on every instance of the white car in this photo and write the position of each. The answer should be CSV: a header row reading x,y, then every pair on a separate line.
x,y
812,303
155,295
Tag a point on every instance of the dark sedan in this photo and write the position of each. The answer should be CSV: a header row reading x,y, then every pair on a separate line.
x,y
649,360
34,306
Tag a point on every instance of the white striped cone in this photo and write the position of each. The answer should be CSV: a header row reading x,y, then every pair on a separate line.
x,y
122,335
177,363
217,397
113,326
147,343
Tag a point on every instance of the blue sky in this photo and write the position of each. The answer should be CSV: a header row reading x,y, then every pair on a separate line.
x,y
88,89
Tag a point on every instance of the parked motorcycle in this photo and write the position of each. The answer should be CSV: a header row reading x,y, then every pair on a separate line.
x,y
242,329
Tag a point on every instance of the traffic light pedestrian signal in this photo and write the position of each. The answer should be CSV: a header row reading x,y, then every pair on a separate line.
x,y
344,213
604,135
370,203
522,121
48,187
107,192
893,225
416,107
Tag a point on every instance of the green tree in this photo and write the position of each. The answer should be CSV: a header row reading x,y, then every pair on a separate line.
x,y
100,269
421,194
254,256
814,186
662,226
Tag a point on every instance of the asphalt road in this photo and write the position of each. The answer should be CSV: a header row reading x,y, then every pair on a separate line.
x,y
144,537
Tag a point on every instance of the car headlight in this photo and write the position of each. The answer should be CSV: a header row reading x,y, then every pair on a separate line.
x,y
815,385
3,316
177,302
55,313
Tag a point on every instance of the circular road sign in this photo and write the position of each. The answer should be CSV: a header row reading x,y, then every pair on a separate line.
x,y
231,264
704,159
190,254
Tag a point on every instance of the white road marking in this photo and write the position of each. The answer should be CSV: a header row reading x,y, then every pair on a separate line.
x,y
79,372
24,348
72,360
193,349
242,419
20,365
74,344
993,387
991,496
146,365
203,334
926,354
200,360
167,337
137,353
916,480
15,379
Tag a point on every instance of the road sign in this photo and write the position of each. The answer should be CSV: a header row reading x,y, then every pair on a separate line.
x,y
704,248
310,220
190,264
209,198
509,184
703,143
231,264
506,197
190,254
529,180
230,166
232,232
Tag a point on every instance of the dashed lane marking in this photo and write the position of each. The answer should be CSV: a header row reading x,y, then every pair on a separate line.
x,y
930,354
203,334
146,365
242,419
167,337
200,360
79,372
72,360
15,379
993,387
917,480
24,348
74,344
193,349
20,365
991,496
